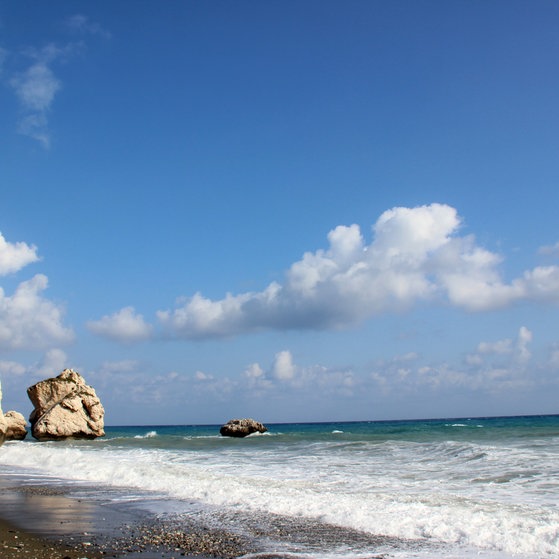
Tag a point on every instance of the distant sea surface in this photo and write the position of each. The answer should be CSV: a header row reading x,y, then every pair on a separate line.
x,y
458,488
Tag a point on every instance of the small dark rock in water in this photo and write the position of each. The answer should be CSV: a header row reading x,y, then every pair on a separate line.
x,y
241,428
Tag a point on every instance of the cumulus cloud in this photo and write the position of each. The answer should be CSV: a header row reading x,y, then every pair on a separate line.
x,y
15,256
283,368
416,255
124,326
28,320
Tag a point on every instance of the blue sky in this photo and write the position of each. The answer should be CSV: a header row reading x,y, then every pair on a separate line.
x,y
294,211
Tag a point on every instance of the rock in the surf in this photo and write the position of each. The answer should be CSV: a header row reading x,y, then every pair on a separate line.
x,y
3,423
65,407
241,428
17,426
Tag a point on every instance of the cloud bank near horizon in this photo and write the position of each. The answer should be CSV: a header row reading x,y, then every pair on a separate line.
x,y
492,369
416,255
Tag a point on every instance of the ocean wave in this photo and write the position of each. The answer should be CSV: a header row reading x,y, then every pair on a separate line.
x,y
488,494
148,435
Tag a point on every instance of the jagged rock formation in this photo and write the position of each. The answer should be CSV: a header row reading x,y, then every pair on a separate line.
x,y
17,426
3,423
241,428
65,407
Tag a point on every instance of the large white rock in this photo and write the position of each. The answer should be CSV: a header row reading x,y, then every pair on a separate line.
x,y
3,423
65,407
17,426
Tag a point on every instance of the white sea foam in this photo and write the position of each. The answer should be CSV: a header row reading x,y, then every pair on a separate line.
x,y
148,435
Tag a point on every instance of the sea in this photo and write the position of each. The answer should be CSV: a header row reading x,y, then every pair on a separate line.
x,y
452,488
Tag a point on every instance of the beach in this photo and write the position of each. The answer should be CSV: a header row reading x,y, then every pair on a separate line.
x,y
16,543
40,522
45,522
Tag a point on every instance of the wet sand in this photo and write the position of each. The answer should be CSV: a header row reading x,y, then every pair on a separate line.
x,y
45,522
19,544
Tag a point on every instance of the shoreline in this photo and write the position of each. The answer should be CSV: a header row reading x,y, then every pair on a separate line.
x,y
41,521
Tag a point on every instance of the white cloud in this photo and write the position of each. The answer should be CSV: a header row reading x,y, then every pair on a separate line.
x,y
254,371
256,378
29,321
124,326
35,126
201,376
498,347
499,365
53,363
12,368
283,368
415,255
15,256
36,89
524,340
508,356
37,86
285,374
518,349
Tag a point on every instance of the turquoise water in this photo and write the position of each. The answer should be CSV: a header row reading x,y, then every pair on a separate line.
x,y
456,488
493,428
